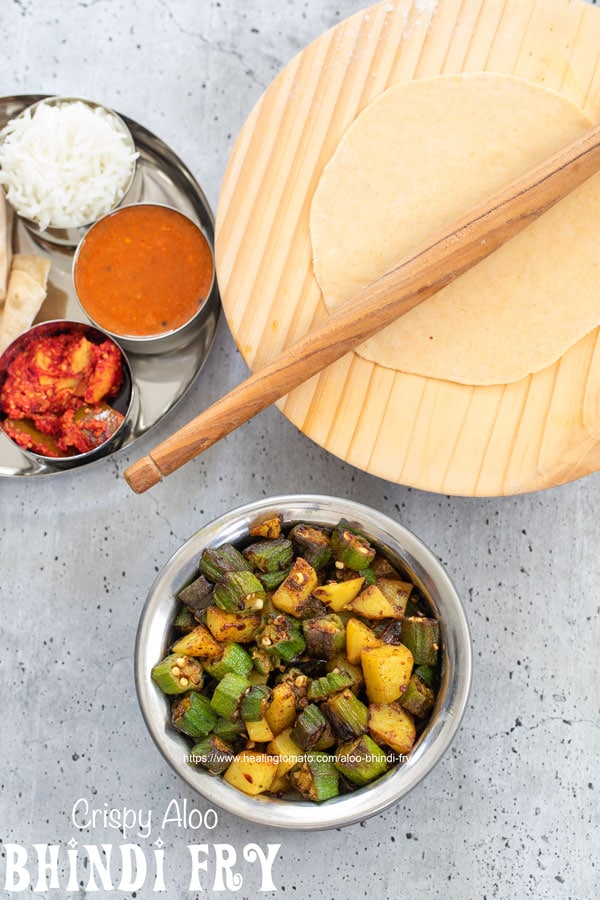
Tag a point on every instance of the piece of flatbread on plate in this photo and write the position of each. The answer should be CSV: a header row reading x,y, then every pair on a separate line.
x,y
27,288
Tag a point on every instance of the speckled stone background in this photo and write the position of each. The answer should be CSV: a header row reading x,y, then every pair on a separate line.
x,y
512,811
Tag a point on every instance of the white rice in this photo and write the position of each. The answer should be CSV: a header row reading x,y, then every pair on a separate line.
x,y
66,164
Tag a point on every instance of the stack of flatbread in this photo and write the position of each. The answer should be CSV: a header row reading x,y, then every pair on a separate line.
x,y
23,282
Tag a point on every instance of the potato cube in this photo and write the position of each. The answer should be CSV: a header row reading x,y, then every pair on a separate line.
x,y
282,709
373,604
387,670
359,635
390,724
339,594
252,773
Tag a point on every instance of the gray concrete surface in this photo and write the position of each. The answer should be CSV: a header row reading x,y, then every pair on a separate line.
x,y
512,811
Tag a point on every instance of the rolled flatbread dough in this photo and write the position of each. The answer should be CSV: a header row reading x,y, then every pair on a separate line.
x,y
417,158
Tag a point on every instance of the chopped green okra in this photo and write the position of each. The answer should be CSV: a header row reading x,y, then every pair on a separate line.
x,y
309,727
313,544
422,637
197,595
281,636
192,714
427,673
418,699
233,659
263,661
369,575
271,580
228,694
347,714
270,556
229,731
351,550
325,636
321,688
316,777
178,673
185,620
216,561
212,753
255,703
239,592
361,760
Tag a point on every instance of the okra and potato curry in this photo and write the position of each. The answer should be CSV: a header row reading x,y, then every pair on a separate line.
x,y
303,661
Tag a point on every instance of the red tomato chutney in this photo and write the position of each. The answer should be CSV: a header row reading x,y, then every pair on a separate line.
x,y
143,270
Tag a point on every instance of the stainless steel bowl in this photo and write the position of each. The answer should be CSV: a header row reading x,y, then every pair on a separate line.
x,y
164,341
407,552
70,237
124,402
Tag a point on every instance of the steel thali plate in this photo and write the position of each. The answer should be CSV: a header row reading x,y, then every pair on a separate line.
x,y
160,381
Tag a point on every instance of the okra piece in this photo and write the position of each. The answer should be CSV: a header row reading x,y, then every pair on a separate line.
x,y
229,731
234,659
212,753
239,592
321,688
316,778
340,661
309,727
185,620
382,568
361,760
197,595
389,631
422,637
281,636
228,694
216,561
263,661
271,580
327,739
418,699
427,674
369,575
325,636
267,525
313,544
192,714
351,550
270,556
255,703
349,717
178,673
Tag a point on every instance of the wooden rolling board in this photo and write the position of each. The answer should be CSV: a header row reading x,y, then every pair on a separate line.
x,y
434,435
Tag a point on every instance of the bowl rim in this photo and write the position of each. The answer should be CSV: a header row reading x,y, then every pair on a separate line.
x,y
390,788
138,341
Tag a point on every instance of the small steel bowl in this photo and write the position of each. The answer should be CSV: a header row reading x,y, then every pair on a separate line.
x,y
406,552
70,237
124,401
163,341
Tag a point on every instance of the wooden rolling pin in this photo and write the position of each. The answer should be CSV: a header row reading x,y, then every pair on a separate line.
x,y
449,254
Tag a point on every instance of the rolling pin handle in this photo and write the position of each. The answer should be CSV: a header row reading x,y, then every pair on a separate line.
x,y
143,474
